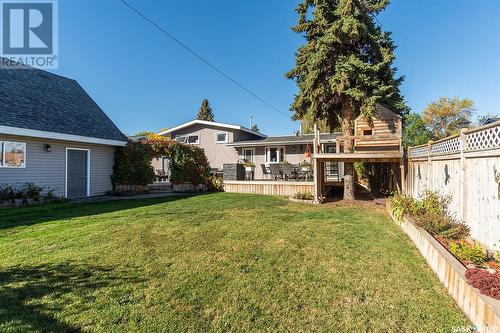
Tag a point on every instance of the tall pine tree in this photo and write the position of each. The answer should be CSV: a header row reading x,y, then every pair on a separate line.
x,y
205,112
345,68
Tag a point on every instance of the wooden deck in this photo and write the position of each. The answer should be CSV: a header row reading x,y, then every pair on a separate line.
x,y
284,188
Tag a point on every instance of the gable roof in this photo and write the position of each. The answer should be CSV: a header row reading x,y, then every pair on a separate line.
x,y
212,123
42,104
379,109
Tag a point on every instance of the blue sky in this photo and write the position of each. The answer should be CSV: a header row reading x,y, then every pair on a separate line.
x,y
144,81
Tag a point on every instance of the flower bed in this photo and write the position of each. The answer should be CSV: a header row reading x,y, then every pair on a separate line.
x,y
30,194
470,288
431,213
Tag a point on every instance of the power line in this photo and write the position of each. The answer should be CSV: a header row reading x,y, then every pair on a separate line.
x,y
187,48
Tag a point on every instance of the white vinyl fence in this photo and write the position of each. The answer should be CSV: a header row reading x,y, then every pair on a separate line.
x,y
467,168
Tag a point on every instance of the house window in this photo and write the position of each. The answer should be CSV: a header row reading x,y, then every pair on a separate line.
x,y
248,154
275,155
367,132
221,137
12,154
193,139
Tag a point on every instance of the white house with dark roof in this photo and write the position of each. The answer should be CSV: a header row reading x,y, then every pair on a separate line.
x,y
54,135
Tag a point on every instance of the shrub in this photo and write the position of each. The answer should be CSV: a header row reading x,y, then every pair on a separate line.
x,y
33,191
303,196
468,252
487,283
430,213
50,195
214,184
7,192
133,165
432,202
402,205
455,230
188,164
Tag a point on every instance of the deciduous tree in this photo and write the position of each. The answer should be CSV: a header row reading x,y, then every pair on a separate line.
x,y
415,131
446,116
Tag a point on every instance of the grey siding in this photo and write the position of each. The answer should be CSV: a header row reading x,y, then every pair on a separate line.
x,y
48,169
218,154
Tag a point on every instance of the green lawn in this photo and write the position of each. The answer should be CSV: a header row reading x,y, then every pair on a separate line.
x,y
216,262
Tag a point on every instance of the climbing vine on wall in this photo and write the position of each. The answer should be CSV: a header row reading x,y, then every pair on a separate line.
x,y
133,162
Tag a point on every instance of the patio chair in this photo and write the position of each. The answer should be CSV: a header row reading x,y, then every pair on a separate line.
x,y
275,171
286,170
265,172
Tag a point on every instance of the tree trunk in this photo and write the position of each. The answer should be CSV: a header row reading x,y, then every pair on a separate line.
x,y
348,148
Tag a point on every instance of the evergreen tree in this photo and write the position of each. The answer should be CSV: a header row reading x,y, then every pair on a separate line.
x,y
205,112
345,68
255,128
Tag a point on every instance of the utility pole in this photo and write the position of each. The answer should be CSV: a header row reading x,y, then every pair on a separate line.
x,y
251,122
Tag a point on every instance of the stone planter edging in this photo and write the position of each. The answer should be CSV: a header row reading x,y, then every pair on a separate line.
x,y
483,311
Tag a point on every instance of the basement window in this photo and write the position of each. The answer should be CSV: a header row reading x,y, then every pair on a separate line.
x,y
367,132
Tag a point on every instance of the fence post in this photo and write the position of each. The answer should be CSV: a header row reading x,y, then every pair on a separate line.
x,y
409,175
463,173
429,166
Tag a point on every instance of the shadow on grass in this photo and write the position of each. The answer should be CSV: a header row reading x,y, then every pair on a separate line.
x,y
30,297
25,216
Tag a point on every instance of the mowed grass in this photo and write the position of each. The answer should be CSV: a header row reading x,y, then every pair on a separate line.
x,y
216,262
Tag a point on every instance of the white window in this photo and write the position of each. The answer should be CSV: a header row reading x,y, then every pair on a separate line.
x,y
193,139
275,155
12,154
248,154
221,137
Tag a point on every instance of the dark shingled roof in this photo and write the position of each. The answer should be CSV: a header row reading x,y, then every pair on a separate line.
x,y
39,100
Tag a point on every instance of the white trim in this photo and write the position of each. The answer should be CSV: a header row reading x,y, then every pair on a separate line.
x,y
242,156
225,141
282,158
197,134
211,123
58,136
66,171
2,145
